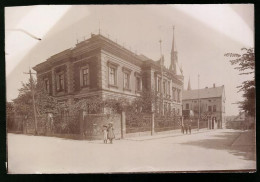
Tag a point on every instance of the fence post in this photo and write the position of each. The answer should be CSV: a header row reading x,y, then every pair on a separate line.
x,y
123,125
81,123
152,124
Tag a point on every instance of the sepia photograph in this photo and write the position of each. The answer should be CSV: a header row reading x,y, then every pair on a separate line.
x,y
130,88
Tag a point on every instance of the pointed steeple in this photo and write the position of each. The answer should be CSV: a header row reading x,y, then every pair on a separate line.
x,y
189,87
174,58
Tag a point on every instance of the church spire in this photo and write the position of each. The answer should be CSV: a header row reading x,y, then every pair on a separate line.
x,y
174,58
189,88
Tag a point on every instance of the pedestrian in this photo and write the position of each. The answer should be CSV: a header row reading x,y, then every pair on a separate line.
x,y
110,133
189,126
105,133
186,128
182,128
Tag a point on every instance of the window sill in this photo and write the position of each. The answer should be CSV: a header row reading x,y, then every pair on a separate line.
x,y
60,91
138,91
83,87
127,89
112,86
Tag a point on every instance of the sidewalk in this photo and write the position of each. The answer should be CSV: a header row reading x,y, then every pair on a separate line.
x,y
159,135
246,138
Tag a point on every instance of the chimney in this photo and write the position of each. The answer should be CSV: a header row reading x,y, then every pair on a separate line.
x,y
214,85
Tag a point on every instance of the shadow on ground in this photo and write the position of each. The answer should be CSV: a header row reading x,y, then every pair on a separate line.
x,y
240,143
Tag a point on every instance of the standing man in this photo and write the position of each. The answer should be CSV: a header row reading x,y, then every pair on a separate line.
x,y
189,125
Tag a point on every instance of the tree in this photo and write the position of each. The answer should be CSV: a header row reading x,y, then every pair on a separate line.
x,y
23,103
10,115
44,103
245,63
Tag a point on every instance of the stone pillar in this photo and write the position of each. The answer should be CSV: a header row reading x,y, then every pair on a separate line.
x,y
152,124
53,76
81,123
123,124
69,77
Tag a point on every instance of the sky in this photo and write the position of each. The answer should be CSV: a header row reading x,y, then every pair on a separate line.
x,y
203,34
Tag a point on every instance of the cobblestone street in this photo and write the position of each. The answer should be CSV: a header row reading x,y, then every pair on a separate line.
x,y
206,150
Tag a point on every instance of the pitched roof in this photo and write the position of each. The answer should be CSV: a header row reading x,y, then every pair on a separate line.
x,y
204,93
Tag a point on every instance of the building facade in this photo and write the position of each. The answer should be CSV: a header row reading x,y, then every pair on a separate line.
x,y
100,67
209,103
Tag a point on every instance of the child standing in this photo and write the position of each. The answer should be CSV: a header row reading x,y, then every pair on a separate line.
x,y
105,133
110,131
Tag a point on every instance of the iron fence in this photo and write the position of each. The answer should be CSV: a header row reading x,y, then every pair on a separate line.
x,y
138,122
166,122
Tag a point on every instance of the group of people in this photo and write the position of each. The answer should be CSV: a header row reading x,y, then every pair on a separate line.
x,y
186,127
108,132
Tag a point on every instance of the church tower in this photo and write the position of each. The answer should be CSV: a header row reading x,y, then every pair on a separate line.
x,y
174,57
189,87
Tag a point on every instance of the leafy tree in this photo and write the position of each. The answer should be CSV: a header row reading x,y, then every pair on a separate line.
x,y
245,63
23,104
10,115
44,103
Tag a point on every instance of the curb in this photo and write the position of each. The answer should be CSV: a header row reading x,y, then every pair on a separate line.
x,y
167,136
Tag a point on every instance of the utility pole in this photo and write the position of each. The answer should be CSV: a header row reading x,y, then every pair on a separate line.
x,y
99,30
34,108
161,64
199,101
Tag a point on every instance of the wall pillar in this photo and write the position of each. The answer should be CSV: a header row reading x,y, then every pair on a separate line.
x,y
123,125
81,123
53,76
152,124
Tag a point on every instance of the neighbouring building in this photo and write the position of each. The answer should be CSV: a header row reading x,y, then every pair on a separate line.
x,y
100,67
212,104
241,121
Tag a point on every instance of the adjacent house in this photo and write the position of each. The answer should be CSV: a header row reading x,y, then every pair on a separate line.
x,y
209,103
